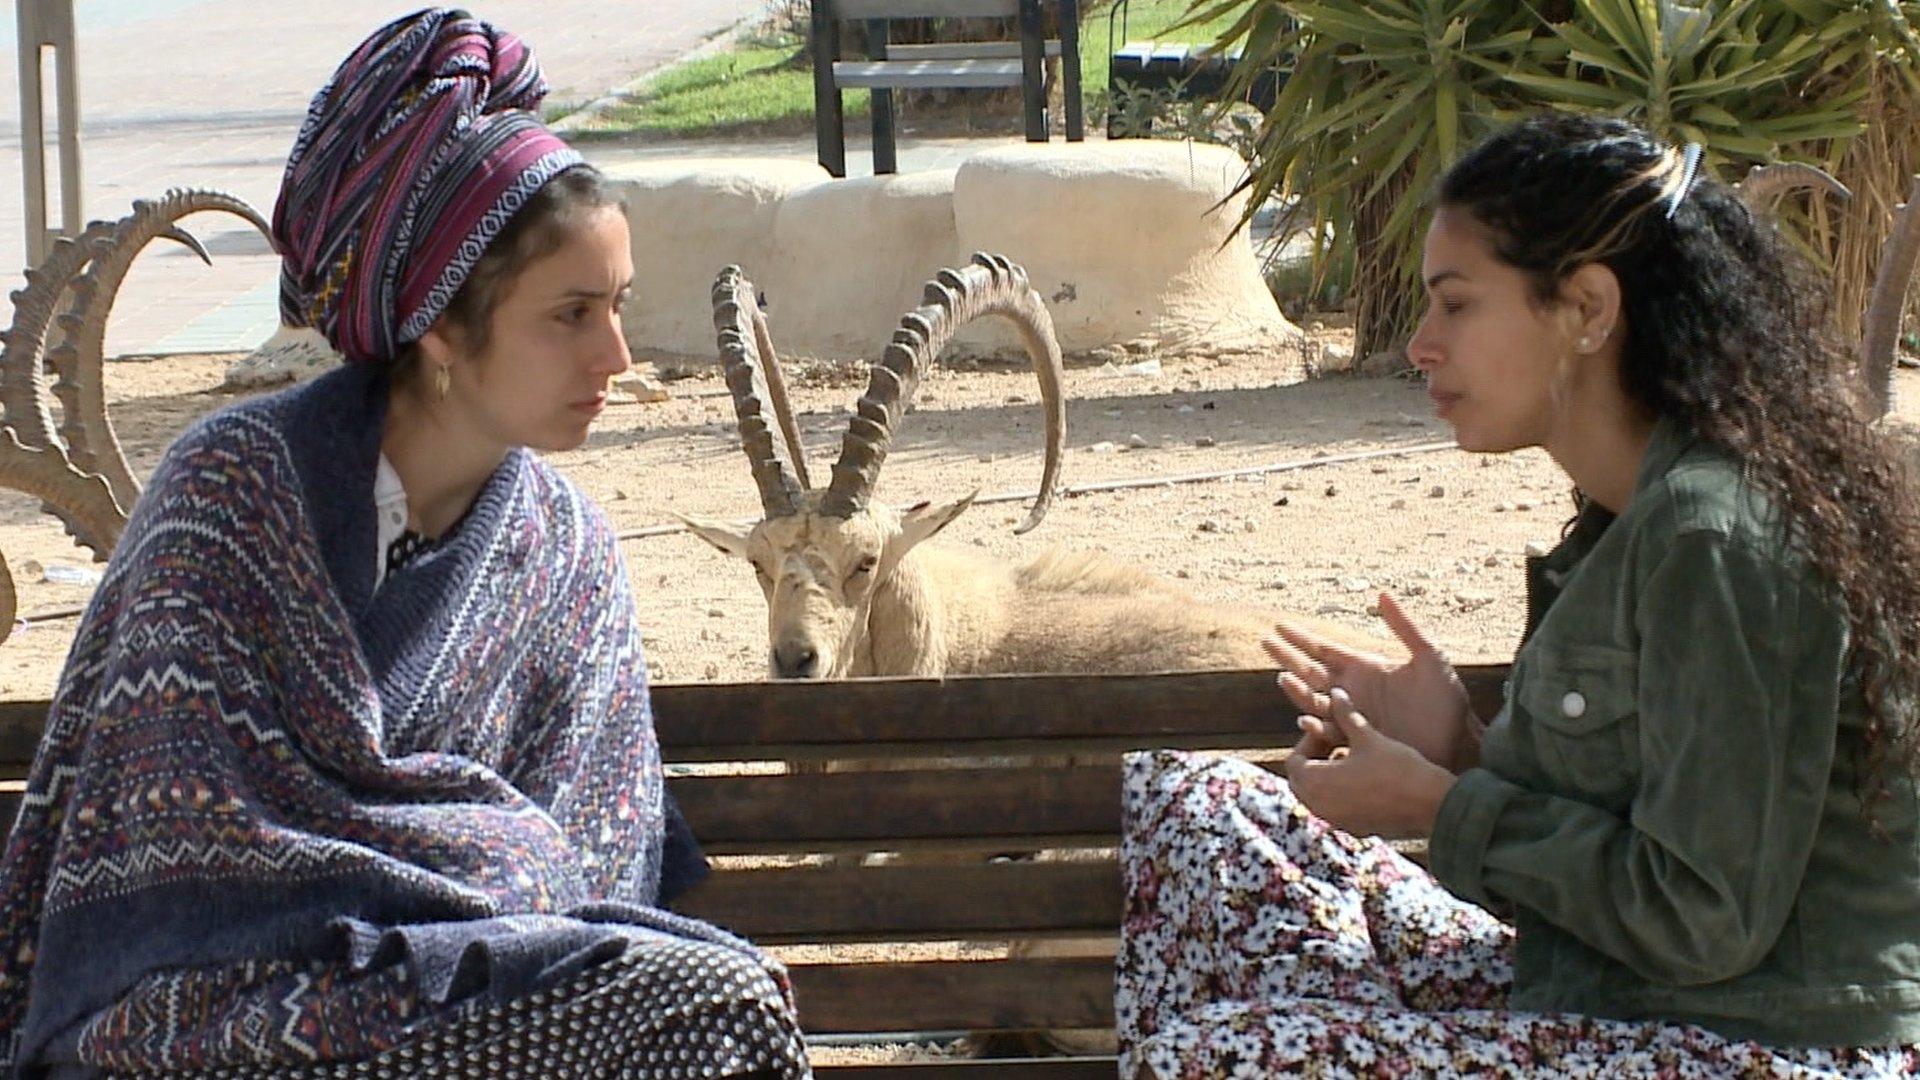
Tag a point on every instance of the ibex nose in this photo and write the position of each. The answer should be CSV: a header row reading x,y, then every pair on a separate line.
x,y
796,661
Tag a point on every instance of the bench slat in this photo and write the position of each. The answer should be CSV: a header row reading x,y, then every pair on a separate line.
x,y
730,721
964,50
922,74
955,995
902,903
736,721
924,9
877,807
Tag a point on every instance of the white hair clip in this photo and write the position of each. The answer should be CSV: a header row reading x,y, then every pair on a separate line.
x,y
1689,172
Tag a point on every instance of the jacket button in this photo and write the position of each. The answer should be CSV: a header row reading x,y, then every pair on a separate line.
x,y
1574,705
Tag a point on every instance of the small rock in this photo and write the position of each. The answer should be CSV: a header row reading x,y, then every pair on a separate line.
x,y
1182,573
619,495
1282,501
1184,409
716,613
1248,526
1523,506
1491,560
1409,420
1414,588
712,672
1437,491
983,458
979,541
1204,442
1373,609
1397,504
1331,491
1102,448
1016,399
1113,414
1208,405
1279,582
1137,441
1292,485
1209,526
1471,601
1355,584
1538,550
1502,507
1378,470
640,389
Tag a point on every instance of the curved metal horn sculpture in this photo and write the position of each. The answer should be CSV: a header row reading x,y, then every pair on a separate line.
x,y
78,471
990,286
1880,329
24,404
77,358
1765,183
753,374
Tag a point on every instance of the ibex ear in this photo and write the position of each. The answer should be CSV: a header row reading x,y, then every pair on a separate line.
x,y
720,535
925,519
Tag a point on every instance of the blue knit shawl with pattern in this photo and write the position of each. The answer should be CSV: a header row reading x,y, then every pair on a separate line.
x,y
252,753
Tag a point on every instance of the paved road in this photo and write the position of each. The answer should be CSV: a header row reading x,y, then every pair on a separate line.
x,y
210,93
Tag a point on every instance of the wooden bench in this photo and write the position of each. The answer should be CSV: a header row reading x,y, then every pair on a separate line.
x,y
707,729
973,65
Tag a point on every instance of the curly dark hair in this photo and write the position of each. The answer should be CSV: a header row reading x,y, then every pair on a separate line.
x,y
1726,332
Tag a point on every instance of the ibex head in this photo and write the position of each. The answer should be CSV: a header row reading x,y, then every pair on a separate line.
x,y
822,555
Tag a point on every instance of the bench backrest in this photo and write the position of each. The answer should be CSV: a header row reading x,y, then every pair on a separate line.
x,y
723,743
922,9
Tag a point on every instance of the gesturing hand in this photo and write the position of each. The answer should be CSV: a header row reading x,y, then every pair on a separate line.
x,y
1420,701
1377,786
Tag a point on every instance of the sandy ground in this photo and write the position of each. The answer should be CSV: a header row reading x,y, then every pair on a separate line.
x,y
1444,529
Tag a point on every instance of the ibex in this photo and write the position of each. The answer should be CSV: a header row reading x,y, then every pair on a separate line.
x,y
852,590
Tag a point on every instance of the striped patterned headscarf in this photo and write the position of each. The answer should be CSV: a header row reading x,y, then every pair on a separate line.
x,y
412,159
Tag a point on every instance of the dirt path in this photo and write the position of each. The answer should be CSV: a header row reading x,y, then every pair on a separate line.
x,y
1445,530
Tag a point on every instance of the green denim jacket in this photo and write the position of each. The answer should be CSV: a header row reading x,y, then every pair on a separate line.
x,y
1665,807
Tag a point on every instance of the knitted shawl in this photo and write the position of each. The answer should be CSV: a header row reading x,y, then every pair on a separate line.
x,y
252,753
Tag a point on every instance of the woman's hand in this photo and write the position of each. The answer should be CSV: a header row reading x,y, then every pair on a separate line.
x,y
1420,702
1367,784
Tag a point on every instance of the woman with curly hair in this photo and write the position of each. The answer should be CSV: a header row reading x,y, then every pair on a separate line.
x,y
1689,843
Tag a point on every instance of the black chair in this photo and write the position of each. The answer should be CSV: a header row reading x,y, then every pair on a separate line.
x,y
959,65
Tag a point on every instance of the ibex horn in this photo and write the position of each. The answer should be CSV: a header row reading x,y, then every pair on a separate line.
x,y
752,371
77,359
1764,183
24,402
80,500
8,602
990,286
1880,330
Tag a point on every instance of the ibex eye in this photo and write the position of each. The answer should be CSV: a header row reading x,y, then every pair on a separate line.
x,y
866,565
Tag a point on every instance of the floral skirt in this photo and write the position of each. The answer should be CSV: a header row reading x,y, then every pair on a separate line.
x,y
1260,941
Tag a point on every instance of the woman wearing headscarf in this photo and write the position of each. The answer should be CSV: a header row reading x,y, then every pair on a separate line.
x,y
351,767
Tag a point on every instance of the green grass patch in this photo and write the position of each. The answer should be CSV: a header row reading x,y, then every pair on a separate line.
x,y
766,86
753,89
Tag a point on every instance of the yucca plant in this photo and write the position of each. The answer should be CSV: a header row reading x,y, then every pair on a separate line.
x,y
1383,95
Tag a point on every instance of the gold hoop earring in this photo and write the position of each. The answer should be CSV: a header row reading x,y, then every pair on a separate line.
x,y
442,381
